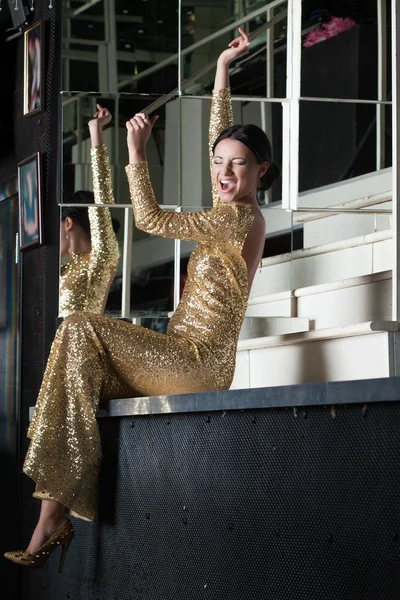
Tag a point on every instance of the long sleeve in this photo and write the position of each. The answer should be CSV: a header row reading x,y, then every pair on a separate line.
x,y
221,117
105,251
214,224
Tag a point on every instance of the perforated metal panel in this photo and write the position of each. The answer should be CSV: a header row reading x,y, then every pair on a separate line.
x,y
272,503
40,133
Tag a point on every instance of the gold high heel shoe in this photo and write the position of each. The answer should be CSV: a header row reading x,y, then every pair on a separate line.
x,y
62,537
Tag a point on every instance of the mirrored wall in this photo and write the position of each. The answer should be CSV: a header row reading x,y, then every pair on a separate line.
x,y
159,57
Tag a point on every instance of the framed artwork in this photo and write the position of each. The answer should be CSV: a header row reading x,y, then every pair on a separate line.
x,y
33,69
30,213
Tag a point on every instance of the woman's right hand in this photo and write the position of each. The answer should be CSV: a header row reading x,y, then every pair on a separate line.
x,y
138,132
101,118
238,47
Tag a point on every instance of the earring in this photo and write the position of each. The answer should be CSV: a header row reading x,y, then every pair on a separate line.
x,y
67,237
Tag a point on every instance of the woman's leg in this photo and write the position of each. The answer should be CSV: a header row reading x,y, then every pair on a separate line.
x,y
64,455
95,358
52,514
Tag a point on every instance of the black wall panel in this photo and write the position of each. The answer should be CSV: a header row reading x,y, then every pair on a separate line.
x,y
270,503
39,266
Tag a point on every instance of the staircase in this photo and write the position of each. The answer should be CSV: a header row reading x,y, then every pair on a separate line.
x,y
318,314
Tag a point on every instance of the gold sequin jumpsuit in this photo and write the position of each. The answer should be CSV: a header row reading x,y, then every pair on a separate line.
x,y
95,358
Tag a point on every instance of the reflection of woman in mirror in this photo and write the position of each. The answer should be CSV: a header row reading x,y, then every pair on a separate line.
x,y
96,358
87,236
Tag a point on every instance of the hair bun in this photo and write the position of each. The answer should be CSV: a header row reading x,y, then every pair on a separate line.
x,y
273,173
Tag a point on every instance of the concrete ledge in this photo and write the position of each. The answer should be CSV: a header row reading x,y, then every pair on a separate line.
x,y
330,393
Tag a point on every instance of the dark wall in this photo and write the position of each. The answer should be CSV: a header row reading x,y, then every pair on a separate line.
x,y
9,409
275,503
20,137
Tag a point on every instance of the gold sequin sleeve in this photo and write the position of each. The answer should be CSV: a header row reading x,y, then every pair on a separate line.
x,y
105,249
221,117
210,225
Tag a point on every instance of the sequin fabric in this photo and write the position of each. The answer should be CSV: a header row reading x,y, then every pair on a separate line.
x,y
95,358
85,280
221,117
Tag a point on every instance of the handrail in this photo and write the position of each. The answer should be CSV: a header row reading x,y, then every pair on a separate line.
x,y
171,59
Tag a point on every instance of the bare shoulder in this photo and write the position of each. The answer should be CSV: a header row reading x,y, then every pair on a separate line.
x,y
256,234
259,221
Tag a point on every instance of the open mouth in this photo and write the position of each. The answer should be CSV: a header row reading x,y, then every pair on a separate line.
x,y
227,185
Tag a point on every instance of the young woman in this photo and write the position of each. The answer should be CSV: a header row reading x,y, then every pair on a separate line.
x,y
96,358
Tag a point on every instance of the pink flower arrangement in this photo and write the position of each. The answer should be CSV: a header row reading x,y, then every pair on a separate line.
x,y
327,30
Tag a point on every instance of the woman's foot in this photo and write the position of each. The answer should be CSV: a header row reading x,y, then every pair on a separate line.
x,y
62,537
44,530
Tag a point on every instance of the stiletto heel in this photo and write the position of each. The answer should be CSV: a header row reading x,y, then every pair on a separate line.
x,y
65,546
62,537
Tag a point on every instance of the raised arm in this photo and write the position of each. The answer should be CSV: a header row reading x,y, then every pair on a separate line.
x,y
149,216
221,115
105,251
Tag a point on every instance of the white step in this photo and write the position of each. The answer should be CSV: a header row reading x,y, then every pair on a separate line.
x,y
357,192
256,327
337,354
370,190
337,227
327,263
335,304
346,302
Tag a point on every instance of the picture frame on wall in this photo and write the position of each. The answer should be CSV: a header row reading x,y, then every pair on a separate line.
x,y
33,68
30,202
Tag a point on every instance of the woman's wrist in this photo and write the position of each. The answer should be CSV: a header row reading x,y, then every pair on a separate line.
x,y
96,134
221,81
223,62
137,155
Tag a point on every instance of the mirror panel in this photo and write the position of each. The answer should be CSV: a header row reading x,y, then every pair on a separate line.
x,y
341,46
78,109
115,45
249,74
338,146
